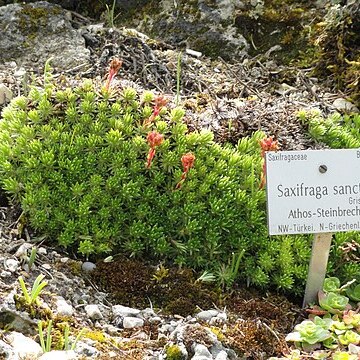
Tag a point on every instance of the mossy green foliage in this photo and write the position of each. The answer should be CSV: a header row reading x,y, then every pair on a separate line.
x,y
75,161
173,352
337,131
336,40
133,283
272,23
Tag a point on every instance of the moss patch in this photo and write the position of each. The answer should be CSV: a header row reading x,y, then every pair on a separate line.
x,y
135,284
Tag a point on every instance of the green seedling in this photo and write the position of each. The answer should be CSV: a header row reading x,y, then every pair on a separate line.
x,y
38,286
45,344
32,257
66,338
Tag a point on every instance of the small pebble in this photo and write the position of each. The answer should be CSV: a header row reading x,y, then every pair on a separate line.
x,y
120,310
132,322
63,308
88,266
11,265
93,312
41,251
206,315
5,274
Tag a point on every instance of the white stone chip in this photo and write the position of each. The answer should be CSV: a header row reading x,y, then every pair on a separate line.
x,y
132,322
63,308
11,265
23,346
5,94
120,310
93,312
206,315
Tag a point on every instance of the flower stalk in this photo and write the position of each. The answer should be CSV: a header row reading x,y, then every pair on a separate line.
x,y
187,161
266,144
115,65
159,102
154,139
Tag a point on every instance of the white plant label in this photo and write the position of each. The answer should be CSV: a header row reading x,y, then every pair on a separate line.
x,y
313,191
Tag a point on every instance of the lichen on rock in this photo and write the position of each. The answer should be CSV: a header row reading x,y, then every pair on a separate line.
x,y
31,35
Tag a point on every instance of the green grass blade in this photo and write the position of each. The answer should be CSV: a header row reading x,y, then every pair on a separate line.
x,y
24,290
41,336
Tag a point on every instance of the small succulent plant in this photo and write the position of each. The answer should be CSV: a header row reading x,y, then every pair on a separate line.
x,y
353,292
308,332
333,302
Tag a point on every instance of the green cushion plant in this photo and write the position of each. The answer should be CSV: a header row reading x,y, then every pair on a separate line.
x,y
100,170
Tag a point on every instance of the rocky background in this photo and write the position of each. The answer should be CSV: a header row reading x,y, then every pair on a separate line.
x,y
244,66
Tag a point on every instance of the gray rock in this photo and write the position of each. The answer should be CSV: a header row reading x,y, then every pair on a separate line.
x,y
219,352
22,251
42,251
353,349
63,308
201,352
111,329
88,266
166,328
23,346
222,355
147,313
18,321
86,350
5,94
218,319
93,312
208,27
119,310
132,322
20,73
32,33
155,319
11,265
206,315
342,104
59,355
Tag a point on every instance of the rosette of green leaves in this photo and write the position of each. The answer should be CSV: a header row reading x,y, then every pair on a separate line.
x,y
333,302
309,333
331,284
349,337
353,292
351,318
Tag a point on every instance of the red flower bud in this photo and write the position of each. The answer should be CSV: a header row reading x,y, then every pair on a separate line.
x,y
268,144
160,101
187,161
154,139
115,65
